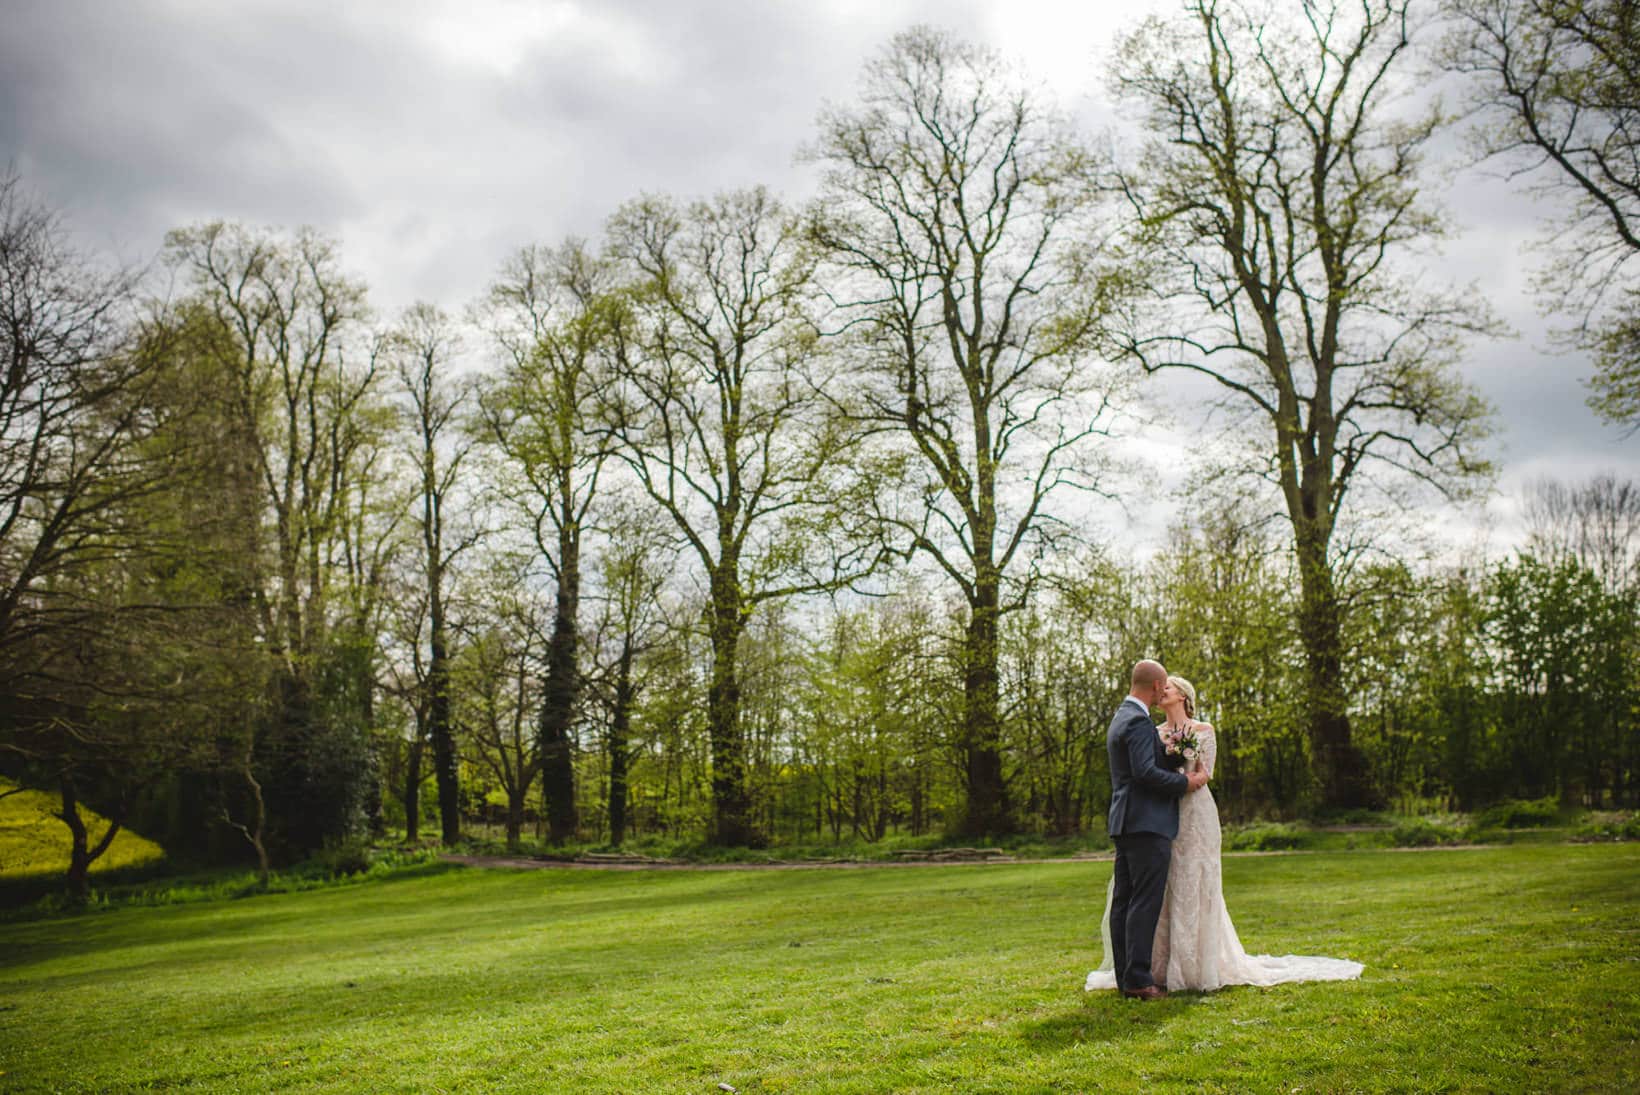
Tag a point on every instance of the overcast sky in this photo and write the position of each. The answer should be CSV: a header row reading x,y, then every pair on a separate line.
x,y
434,138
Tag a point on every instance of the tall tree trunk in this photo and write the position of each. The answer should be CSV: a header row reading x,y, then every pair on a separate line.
x,y
732,822
81,852
445,761
412,791
558,702
857,803
1339,767
917,821
987,808
515,814
880,825
376,823
619,734
253,832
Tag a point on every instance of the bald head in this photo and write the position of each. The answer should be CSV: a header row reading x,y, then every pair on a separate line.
x,y
1148,679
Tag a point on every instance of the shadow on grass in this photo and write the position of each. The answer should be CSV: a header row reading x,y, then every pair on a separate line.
x,y
17,892
373,912
193,892
1105,1018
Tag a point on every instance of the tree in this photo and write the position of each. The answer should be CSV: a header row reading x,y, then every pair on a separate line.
x,y
1556,97
197,578
670,749
498,682
1399,625
404,678
68,418
716,416
634,574
79,464
552,314
854,725
303,413
1062,677
1565,678
955,220
1276,197
371,542
423,348
1218,600
1458,645
1596,522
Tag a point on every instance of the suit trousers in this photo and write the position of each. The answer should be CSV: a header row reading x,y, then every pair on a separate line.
x,y
1142,860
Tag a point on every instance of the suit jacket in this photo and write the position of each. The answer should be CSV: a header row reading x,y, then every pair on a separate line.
x,y
1144,794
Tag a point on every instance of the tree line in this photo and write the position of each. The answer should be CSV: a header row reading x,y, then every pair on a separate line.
x,y
1468,682
752,521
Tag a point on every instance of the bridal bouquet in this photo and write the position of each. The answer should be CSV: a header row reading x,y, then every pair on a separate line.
x,y
1180,741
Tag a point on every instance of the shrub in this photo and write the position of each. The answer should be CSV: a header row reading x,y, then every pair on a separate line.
x,y
1609,826
1417,832
343,857
1353,816
1267,837
1519,814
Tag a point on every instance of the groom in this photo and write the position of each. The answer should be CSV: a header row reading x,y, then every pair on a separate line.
x,y
1144,819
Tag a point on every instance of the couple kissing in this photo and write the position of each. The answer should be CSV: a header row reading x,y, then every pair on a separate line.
x,y
1166,925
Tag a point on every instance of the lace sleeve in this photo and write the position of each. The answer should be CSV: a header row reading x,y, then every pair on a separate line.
x,y
1209,747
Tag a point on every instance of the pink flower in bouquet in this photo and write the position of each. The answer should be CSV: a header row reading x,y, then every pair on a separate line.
x,y
1181,741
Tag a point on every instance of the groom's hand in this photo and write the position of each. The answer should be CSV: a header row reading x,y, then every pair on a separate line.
x,y
1198,780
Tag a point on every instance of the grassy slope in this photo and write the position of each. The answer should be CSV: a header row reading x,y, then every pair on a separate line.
x,y
34,842
1488,970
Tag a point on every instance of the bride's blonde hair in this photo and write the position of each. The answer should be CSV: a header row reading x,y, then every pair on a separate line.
x,y
1189,691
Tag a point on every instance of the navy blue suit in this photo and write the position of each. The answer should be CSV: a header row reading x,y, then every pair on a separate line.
x,y
1143,820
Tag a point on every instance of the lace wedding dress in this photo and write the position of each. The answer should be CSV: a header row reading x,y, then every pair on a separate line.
x,y
1196,945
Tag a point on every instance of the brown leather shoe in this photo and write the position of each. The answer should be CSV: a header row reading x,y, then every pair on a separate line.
x,y
1149,992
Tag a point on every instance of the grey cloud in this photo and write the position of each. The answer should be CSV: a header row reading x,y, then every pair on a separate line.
x,y
133,123
137,116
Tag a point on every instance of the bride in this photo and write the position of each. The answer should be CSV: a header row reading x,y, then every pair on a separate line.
x,y
1196,945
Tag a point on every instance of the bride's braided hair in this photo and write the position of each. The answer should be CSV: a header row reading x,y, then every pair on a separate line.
x,y
1188,690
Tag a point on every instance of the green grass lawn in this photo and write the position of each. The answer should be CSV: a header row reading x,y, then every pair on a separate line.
x,y
1499,969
